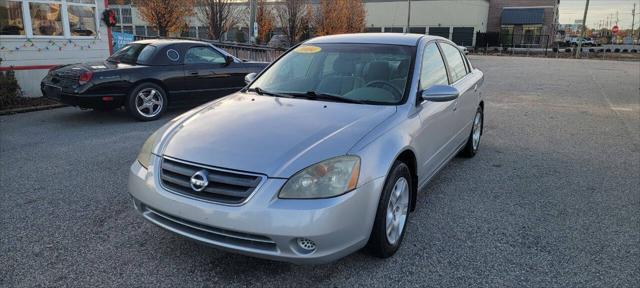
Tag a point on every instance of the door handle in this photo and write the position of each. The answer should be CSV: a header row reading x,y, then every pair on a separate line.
x,y
193,73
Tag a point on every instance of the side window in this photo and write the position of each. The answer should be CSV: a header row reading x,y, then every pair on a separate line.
x,y
433,71
455,61
203,55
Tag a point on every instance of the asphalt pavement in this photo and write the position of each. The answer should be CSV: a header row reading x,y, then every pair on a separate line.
x,y
552,198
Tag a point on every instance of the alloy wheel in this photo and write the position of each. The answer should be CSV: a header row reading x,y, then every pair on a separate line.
x,y
477,130
397,210
149,102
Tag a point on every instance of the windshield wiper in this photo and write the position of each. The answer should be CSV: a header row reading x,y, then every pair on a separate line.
x,y
263,92
312,95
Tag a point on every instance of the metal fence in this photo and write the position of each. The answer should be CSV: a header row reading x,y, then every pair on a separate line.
x,y
242,51
512,40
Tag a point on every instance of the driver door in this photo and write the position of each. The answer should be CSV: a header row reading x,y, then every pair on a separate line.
x,y
437,119
207,74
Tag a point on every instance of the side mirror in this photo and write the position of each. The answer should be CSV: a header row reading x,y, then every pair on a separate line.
x,y
250,77
440,93
228,60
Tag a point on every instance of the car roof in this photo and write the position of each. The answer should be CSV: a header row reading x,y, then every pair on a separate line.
x,y
164,42
406,39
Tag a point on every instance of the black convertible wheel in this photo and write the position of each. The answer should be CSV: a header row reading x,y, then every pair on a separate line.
x,y
393,212
147,102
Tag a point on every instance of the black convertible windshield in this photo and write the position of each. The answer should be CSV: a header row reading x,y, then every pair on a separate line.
x,y
133,54
361,73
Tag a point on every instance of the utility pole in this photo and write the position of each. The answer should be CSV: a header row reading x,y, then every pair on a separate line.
x,y
633,23
406,30
584,30
252,22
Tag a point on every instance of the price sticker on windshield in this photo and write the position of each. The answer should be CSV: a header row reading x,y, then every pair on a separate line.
x,y
307,49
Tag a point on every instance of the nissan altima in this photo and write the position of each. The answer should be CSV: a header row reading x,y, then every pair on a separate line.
x,y
321,154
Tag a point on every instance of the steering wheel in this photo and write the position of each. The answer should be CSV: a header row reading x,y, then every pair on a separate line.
x,y
386,86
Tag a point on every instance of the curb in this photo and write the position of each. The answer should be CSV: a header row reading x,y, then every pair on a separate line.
x,y
30,109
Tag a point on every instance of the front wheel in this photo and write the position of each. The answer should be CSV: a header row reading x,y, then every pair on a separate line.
x,y
393,212
147,102
473,142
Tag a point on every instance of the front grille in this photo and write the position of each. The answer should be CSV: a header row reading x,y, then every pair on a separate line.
x,y
224,186
208,234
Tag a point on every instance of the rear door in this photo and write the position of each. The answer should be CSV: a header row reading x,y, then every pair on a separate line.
x,y
461,78
207,74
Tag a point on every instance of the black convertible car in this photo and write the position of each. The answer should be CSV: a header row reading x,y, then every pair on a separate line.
x,y
146,76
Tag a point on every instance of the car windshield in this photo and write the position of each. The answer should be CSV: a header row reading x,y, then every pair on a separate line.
x,y
357,73
132,54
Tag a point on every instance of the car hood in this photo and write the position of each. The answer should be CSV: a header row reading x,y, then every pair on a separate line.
x,y
271,135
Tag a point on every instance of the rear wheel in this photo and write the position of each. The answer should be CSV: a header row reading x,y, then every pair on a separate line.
x,y
393,212
147,102
473,142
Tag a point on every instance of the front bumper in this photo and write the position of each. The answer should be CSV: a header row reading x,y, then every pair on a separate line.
x,y
265,226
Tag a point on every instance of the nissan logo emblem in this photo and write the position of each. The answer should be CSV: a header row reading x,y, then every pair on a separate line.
x,y
199,180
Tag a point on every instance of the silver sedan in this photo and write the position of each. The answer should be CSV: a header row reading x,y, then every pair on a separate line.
x,y
321,154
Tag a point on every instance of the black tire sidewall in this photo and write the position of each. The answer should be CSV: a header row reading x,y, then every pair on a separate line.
x,y
468,150
378,243
131,98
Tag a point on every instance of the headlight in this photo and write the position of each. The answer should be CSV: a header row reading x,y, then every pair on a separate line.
x,y
144,157
326,179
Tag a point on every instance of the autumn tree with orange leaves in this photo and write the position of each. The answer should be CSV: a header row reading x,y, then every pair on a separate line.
x,y
166,15
339,17
264,18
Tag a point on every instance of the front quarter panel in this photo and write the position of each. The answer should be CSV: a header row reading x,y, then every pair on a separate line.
x,y
380,148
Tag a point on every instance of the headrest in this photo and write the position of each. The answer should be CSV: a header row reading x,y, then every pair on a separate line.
x,y
343,65
378,70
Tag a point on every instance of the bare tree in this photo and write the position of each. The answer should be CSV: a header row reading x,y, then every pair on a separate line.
x,y
293,15
219,16
166,15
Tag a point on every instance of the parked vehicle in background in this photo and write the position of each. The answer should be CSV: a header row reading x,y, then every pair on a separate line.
x,y
464,50
321,154
146,76
588,41
279,41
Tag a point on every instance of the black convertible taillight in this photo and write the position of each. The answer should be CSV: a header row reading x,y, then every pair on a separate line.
x,y
85,77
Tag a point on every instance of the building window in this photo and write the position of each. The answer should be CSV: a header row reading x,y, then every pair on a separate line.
x,y
82,20
126,16
418,30
11,22
49,18
203,32
393,29
372,29
46,19
152,31
140,31
127,29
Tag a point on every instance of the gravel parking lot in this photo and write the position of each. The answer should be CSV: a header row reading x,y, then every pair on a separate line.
x,y
552,198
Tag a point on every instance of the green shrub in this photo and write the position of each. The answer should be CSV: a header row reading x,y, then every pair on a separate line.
x,y
9,88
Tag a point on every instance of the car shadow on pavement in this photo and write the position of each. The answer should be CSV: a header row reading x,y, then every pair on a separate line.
x,y
118,116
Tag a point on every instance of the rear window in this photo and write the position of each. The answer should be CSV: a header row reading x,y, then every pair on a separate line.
x,y
133,54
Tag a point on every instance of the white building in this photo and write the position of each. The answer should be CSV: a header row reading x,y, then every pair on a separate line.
x,y
38,35
458,20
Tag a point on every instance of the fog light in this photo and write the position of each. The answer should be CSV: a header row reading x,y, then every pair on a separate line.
x,y
306,245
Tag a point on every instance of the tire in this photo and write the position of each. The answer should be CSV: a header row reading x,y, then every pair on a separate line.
x,y
470,148
153,109
379,243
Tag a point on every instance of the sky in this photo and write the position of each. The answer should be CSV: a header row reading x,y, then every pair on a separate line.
x,y
570,10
